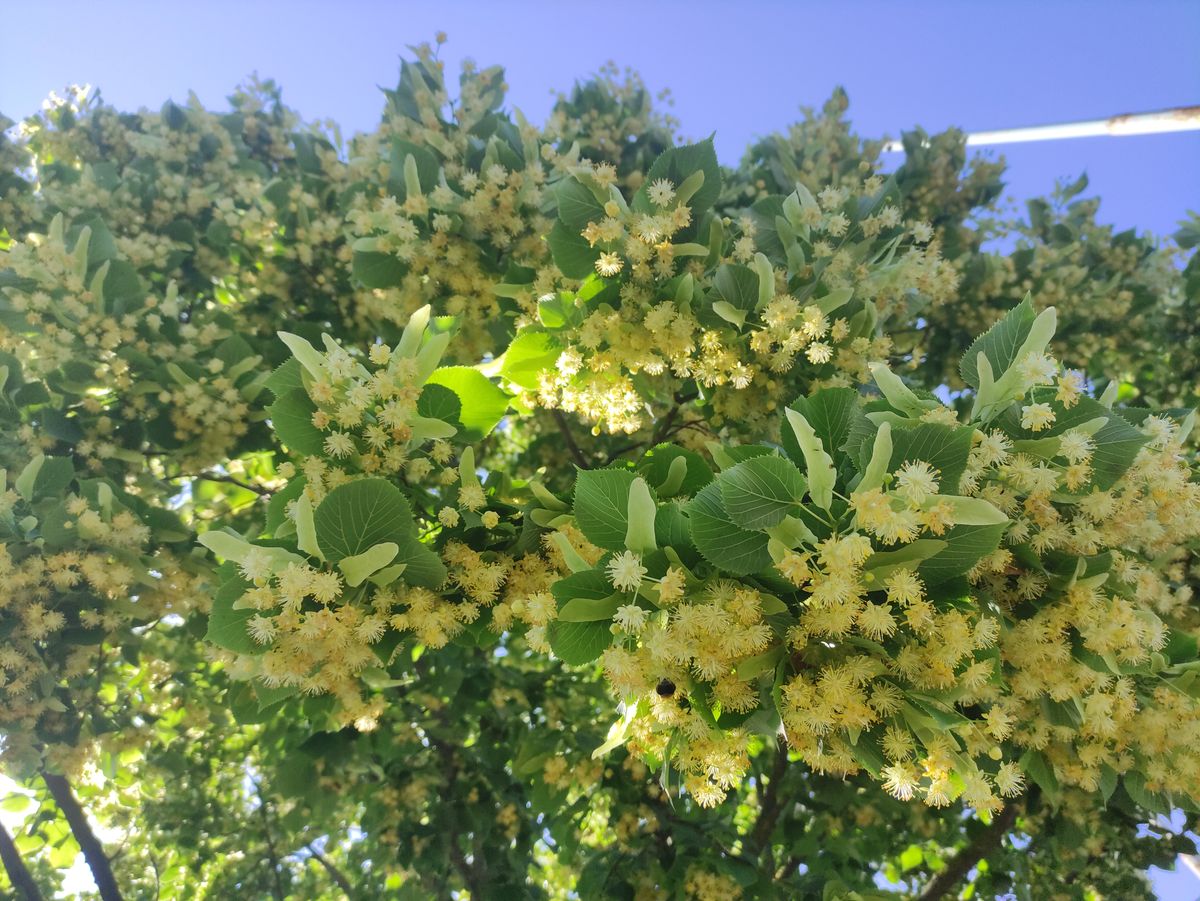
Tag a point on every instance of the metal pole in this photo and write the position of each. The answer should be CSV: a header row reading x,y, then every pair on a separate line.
x,y
1182,118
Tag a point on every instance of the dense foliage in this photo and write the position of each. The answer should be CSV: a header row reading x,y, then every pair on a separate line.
x,y
479,509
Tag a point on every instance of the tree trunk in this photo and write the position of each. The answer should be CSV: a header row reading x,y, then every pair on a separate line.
x,y
18,875
93,851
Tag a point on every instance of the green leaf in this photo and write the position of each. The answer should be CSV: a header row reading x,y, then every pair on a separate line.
x,y
291,417
1116,444
427,168
286,378
484,403
226,626
528,356
439,402
764,213
1135,786
122,288
830,412
422,565
601,506
53,477
277,505
671,527
578,643
678,163
377,270
737,286
1039,770
999,344
754,666
269,696
758,493
655,466
590,583
945,448
571,252
577,205
911,858
965,546
359,515
720,541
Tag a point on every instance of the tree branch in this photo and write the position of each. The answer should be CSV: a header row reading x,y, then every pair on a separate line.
x,y
569,439
18,874
772,802
664,426
986,842
93,851
469,873
274,855
229,480
334,873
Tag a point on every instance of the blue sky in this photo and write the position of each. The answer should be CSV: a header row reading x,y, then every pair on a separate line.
x,y
739,69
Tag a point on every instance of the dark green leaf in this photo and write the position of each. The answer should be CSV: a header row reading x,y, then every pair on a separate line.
x,y
720,541
377,270
291,417
830,412
571,252
760,492
1000,343
945,448
602,506
359,515
578,643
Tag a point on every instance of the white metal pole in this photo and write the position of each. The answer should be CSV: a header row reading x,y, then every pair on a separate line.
x,y
1182,118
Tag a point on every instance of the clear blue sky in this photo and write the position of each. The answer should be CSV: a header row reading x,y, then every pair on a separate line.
x,y
739,69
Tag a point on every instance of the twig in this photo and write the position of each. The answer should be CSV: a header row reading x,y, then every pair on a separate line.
x,y
569,439
93,851
18,873
334,873
986,842
217,477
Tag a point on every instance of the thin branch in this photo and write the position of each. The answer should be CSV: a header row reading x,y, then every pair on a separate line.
x,y
664,425
274,855
985,843
18,873
230,480
772,803
569,439
93,851
334,873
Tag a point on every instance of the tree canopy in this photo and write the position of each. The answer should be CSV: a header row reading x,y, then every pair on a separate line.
x,y
474,508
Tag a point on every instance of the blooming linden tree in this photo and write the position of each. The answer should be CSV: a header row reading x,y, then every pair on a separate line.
x,y
481,509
